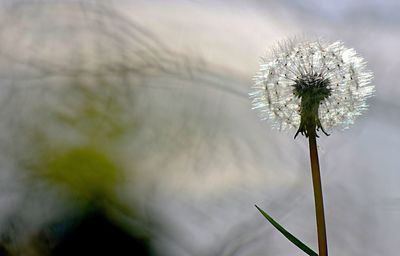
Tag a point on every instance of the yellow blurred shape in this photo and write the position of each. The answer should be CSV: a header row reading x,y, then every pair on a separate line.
x,y
84,170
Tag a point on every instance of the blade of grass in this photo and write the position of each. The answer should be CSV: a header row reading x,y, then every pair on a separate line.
x,y
289,236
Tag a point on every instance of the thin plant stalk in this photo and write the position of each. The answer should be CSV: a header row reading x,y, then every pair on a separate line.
x,y
318,198
318,79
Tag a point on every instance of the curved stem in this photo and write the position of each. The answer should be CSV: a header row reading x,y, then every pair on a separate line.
x,y
319,202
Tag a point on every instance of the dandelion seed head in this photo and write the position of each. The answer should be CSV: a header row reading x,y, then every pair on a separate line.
x,y
300,77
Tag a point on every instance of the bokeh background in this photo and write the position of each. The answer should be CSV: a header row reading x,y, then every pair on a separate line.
x,y
126,126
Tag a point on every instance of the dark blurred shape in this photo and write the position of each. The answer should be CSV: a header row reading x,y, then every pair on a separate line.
x,y
3,251
97,234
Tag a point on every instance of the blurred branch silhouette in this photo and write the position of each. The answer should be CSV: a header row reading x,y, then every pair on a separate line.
x,y
75,74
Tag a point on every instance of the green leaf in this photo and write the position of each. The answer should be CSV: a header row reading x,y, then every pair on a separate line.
x,y
289,236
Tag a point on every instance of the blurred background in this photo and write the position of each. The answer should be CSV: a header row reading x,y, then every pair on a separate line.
x,y
126,129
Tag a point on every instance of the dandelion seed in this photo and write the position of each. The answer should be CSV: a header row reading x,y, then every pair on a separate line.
x,y
327,82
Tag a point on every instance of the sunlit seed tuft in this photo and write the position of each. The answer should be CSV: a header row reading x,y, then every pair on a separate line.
x,y
298,73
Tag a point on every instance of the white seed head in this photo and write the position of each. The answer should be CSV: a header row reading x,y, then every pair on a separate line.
x,y
342,69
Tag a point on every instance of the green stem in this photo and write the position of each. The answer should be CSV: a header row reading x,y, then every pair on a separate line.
x,y
319,202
